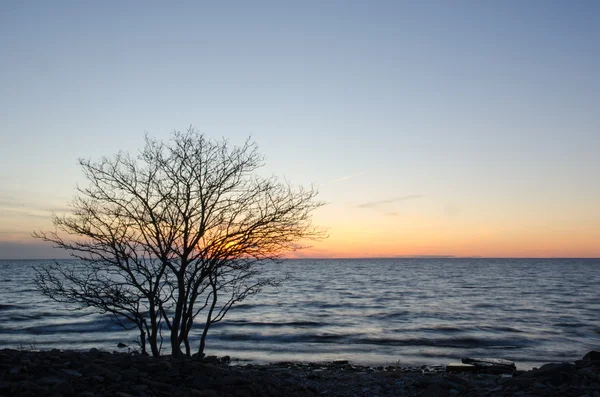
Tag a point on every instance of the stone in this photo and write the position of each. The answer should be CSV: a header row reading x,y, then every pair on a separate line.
x,y
28,386
340,362
71,372
491,365
49,381
94,352
243,393
65,388
161,366
460,367
121,345
457,379
155,385
209,393
592,356
130,374
230,380
139,388
173,372
434,391
4,386
551,370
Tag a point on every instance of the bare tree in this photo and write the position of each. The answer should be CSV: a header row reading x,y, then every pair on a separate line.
x,y
177,232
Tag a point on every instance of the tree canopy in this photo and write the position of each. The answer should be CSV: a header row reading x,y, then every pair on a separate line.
x,y
174,234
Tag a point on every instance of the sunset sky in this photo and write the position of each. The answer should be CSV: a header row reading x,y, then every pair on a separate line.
x,y
466,128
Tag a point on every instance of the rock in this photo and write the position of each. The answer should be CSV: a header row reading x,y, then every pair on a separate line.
x,y
71,372
243,393
460,367
488,361
210,359
130,374
457,379
28,386
551,370
155,385
427,381
230,380
160,366
94,352
592,356
97,374
121,345
139,388
491,365
225,359
434,391
208,393
65,388
339,362
49,381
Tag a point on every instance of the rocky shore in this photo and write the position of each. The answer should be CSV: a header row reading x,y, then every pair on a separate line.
x,y
94,373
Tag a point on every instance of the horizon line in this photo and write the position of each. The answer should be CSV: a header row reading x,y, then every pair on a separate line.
x,y
367,257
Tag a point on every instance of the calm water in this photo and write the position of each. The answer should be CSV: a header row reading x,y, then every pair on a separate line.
x,y
372,311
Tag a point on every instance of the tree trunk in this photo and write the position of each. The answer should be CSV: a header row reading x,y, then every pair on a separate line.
x,y
143,340
208,320
176,324
153,337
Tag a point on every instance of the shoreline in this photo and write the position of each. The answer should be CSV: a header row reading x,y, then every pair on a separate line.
x,y
96,373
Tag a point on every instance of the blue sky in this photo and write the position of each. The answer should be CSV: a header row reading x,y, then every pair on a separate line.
x,y
487,112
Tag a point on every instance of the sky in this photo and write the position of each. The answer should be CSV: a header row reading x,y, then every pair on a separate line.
x,y
464,128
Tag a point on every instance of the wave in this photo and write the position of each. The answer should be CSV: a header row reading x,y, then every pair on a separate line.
x,y
99,326
393,314
462,342
261,324
452,342
287,338
574,324
475,309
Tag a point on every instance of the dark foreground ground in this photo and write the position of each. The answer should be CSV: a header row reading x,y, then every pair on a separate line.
x,y
57,373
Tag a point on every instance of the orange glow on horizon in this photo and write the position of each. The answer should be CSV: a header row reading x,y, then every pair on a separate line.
x,y
363,234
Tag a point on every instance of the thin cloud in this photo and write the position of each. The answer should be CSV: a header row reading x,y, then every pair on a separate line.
x,y
377,204
11,204
345,178
24,213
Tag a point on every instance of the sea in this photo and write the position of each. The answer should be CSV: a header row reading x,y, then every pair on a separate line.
x,y
428,311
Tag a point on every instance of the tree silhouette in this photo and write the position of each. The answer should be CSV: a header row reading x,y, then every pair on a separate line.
x,y
177,233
